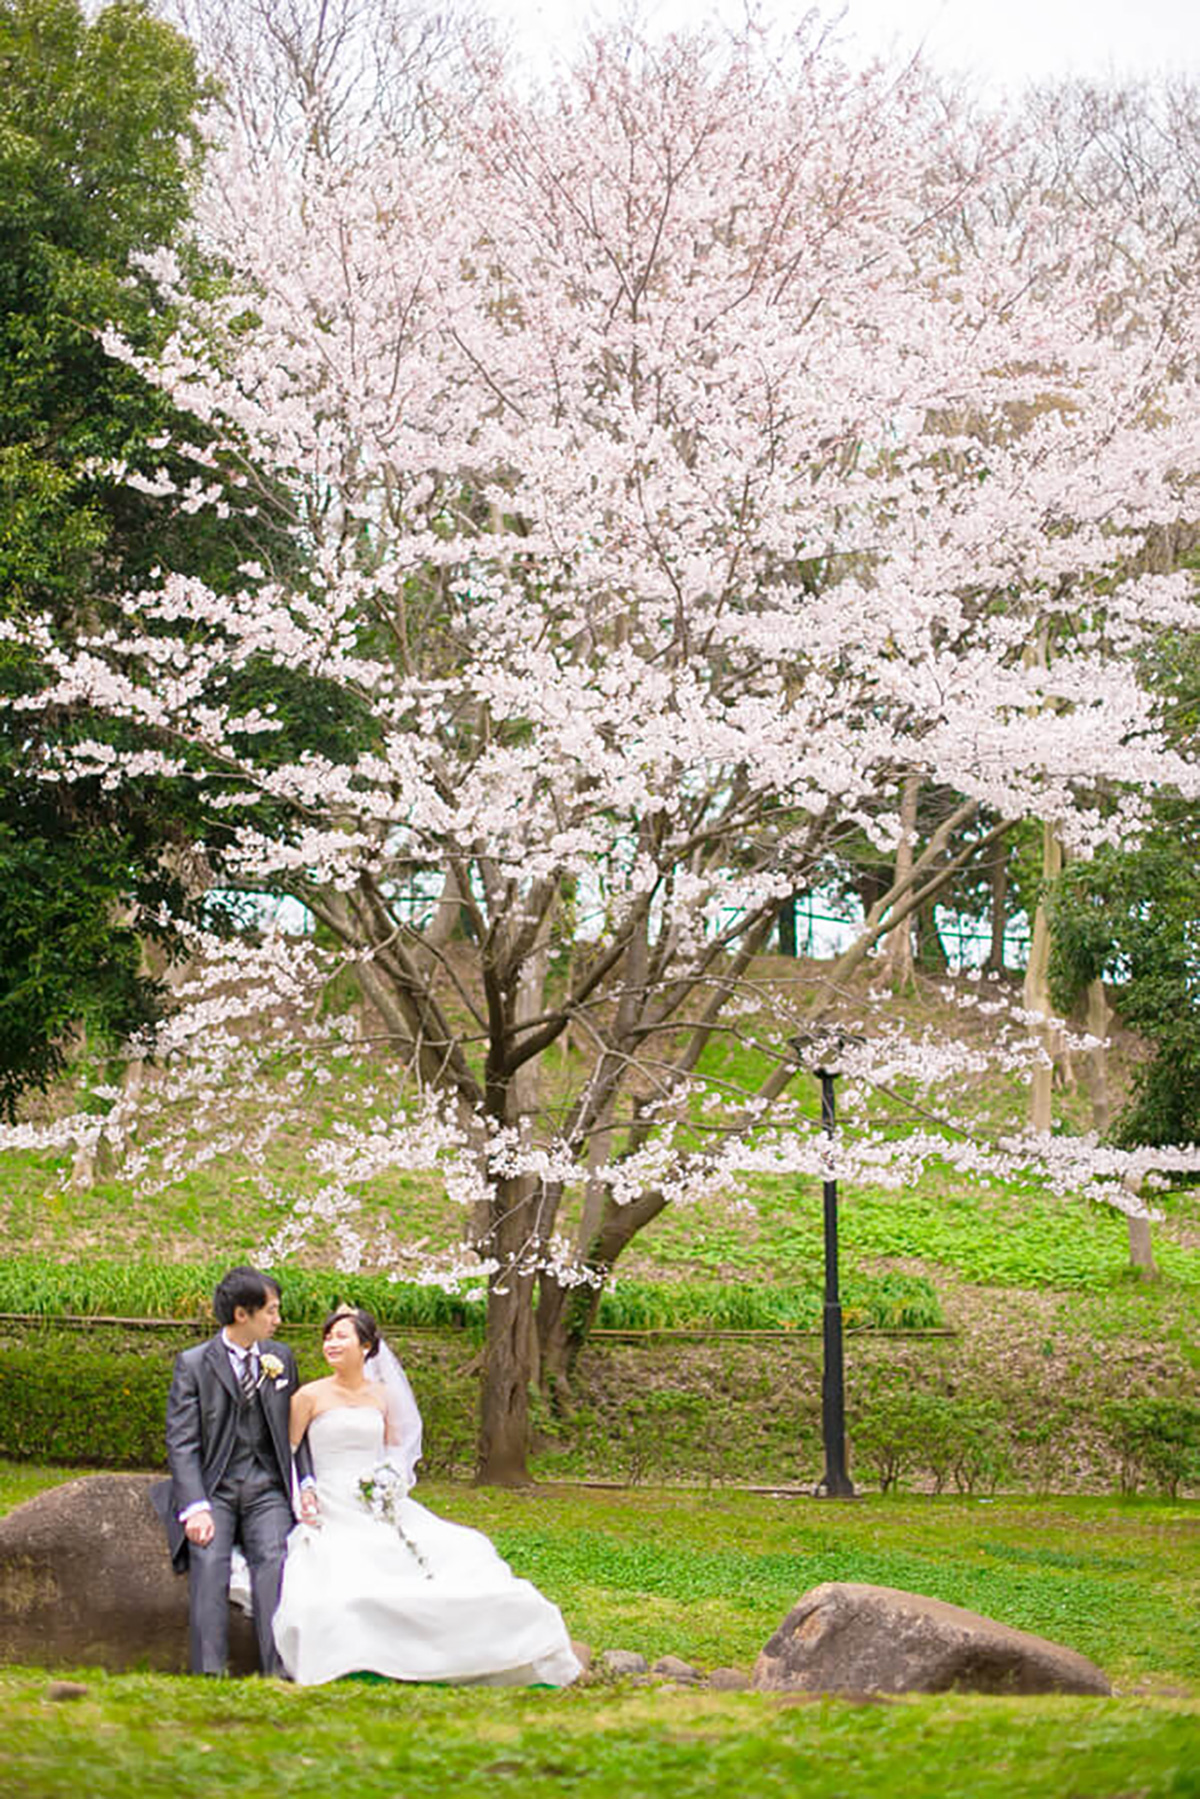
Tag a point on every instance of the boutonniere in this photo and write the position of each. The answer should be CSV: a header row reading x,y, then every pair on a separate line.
x,y
272,1368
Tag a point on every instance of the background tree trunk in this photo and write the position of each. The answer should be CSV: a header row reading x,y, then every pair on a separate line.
x,y
898,944
998,881
1141,1249
1036,992
1095,1062
1141,1244
931,951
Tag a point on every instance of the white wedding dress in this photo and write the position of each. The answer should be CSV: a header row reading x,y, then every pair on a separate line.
x,y
356,1599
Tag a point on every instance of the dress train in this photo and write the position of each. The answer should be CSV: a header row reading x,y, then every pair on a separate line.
x,y
357,1599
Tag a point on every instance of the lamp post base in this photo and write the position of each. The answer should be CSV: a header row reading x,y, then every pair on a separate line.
x,y
835,1483
843,1489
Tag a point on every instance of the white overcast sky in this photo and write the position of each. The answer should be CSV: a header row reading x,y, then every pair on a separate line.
x,y
1003,44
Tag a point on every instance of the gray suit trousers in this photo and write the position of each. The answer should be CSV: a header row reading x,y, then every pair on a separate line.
x,y
259,1515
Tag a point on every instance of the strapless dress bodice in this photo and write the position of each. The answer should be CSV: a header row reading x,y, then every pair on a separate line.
x,y
345,1442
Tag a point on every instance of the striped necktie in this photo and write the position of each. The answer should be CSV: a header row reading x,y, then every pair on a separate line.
x,y
246,1378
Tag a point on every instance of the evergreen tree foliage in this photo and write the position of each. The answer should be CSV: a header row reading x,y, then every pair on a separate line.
x,y
1131,918
98,144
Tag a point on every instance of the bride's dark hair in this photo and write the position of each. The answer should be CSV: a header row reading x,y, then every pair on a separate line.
x,y
365,1327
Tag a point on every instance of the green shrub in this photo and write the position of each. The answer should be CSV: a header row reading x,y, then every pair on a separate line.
x,y
1156,1441
448,1396
64,1399
978,1447
1040,1435
901,1427
704,1411
63,1403
656,1409
667,1427
890,1437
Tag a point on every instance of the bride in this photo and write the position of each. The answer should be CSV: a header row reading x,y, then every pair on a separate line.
x,y
381,1585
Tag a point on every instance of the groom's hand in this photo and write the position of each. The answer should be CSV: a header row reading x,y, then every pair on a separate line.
x,y
200,1529
310,1505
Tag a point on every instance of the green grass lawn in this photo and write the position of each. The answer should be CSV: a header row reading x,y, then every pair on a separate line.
x,y
706,1577
139,1737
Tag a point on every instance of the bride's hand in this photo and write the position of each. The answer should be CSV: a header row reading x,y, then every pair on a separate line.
x,y
310,1506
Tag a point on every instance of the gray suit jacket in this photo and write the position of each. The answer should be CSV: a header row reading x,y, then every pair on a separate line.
x,y
202,1412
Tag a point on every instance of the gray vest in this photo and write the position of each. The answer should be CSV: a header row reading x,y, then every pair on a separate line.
x,y
253,1453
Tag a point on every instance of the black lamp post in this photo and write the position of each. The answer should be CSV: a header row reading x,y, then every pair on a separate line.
x,y
820,1052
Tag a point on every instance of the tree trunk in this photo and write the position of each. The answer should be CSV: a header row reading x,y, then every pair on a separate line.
x,y
519,1222
1036,992
1141,1249
511,1348
898,944
93,1161
1141,1245
565,1314
998,881
447,920
564,1318
870,885
574,1310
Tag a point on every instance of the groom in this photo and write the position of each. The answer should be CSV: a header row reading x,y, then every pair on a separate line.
x,y
231,1467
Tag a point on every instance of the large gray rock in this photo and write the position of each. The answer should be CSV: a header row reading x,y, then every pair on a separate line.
x,y
86,1581
843,1637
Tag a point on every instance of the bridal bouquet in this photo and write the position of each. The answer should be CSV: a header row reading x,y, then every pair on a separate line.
x,y
381,1490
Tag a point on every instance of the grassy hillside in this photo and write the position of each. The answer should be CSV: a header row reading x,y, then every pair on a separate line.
x,y
243,1181
1052,1328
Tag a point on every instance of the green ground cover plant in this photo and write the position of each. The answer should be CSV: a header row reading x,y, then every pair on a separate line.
x,y
706,1577
1011,1236
137,1287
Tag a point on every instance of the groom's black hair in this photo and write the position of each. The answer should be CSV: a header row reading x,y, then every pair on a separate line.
x,y
246,1287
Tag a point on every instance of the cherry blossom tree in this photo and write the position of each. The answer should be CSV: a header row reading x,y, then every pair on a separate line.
x,y
329,71
678,464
